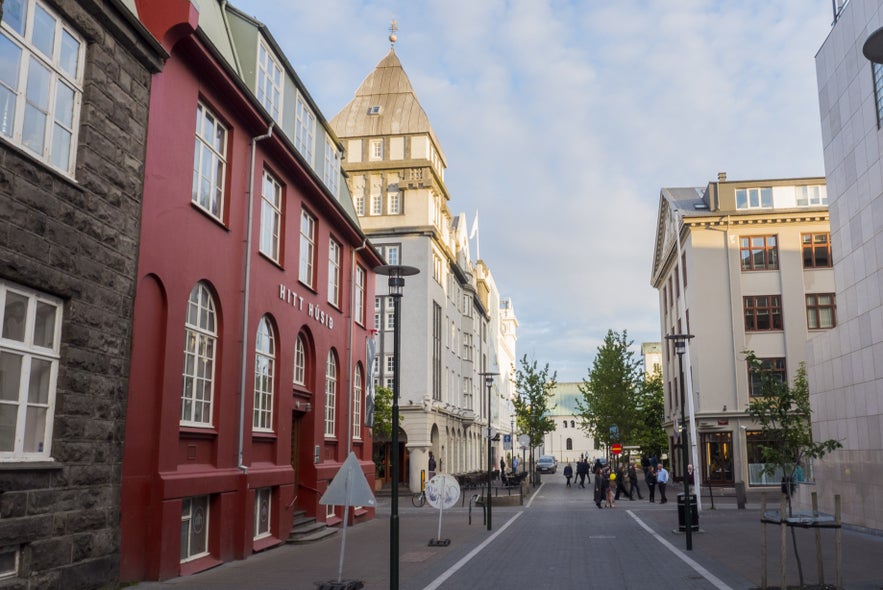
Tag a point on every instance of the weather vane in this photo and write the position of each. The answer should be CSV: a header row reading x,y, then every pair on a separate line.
x,y
393,27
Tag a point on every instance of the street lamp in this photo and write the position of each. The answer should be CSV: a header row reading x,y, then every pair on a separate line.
x,y
396,274
680,341
489,380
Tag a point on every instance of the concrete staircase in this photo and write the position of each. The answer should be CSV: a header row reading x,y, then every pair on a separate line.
x,y
307,530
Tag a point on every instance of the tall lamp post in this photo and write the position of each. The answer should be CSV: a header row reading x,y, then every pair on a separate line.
x,y
680,341
489,381
396,274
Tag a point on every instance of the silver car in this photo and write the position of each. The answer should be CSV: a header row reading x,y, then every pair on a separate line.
x,y
547,464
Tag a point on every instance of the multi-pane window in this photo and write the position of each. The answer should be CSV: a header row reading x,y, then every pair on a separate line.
x,y
392,255
394,202
467,392
331,172
262,503
334,273
209,163
359,295
763,313
376,204
357,402
300,361
264,372
200,344
375,149
390,320
808,196
759,252
437,268
359,203
271,216
754,198
304,129
467,346
816,250
436,351
330,394
307,248
770,368
194,527
41,82
390,363
821,311
270,80
30,330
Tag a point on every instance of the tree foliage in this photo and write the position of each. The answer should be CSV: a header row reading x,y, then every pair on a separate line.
x,y
610,408
783,413
534,389
650,436
382,414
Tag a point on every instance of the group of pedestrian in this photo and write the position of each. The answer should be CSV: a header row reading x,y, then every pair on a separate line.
x,y
610,485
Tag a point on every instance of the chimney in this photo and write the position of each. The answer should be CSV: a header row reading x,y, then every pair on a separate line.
x,y
721,176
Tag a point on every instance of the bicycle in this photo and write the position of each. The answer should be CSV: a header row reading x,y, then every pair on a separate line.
x,y
419,499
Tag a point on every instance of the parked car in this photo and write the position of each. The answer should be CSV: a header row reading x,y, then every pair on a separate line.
x,y
547,464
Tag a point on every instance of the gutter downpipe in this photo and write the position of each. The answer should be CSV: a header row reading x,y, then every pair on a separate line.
x,y
349,346
246,295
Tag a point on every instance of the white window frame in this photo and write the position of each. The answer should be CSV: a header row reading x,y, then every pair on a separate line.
x,y
200,349
300,361
270,80
390,363
28,337
359,296
755,197
358,390
304,129
811,195
209,163
63,77
392,255
331,174
330,395
359,204
376,204
271,217
189,520
307,249
375,150
393,202
334,256
264,376
390,320
263,521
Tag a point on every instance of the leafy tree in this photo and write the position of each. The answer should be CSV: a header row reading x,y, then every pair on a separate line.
x,y
534,389
611,395
382,414
783,414
651,437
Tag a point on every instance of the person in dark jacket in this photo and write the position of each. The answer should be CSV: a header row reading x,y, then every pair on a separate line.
x,y
651,482
568,473
582,471
633,483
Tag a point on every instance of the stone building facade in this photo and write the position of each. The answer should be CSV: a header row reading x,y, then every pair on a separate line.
x,y
71,165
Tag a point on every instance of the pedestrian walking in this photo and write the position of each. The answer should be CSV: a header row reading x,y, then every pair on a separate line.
x,y
600,492
502,471
568,473
621,479
633,483
661,482
582,471
610,479
650,479
431,465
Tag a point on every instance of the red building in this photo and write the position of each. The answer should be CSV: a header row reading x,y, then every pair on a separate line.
x,y
249,369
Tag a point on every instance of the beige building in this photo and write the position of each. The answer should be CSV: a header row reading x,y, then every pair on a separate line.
x,y
568,442
741,265
455,325
845,368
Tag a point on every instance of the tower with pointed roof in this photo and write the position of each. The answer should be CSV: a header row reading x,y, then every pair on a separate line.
x,y
395,169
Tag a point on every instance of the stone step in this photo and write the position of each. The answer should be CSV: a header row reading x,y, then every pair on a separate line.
x,y
315,534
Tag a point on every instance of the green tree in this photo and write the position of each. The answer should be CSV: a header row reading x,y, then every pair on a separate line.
x,y
534,390
650,436
611,395
784,416
382,430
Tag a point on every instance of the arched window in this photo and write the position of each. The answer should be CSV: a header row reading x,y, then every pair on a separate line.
x,y
573,424
565,424
264,371
300,361
200,344
569,443
330,394
357,402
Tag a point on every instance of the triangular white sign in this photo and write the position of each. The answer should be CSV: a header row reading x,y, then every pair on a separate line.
x,y
349,487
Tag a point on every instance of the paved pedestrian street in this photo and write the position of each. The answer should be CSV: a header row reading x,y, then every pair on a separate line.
x,y
558,539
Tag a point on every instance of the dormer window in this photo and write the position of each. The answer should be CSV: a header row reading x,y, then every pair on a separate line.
x,y
375,110
270,80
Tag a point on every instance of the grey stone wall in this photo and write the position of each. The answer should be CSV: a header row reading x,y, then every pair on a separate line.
x,y
78,240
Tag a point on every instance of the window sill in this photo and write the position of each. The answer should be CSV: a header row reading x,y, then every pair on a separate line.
x,y
21,465
263,436
196,432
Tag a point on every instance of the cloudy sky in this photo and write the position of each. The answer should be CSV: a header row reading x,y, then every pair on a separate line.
x,y
562,119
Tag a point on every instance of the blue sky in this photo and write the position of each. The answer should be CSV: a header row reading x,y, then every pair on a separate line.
x,y
561,120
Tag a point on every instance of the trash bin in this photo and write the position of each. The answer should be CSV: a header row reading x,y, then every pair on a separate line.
x,y
694,513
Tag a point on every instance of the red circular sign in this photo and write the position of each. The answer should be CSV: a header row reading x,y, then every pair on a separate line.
x,y
616,448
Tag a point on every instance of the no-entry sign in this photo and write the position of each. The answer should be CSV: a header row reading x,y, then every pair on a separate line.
x,y
616,448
